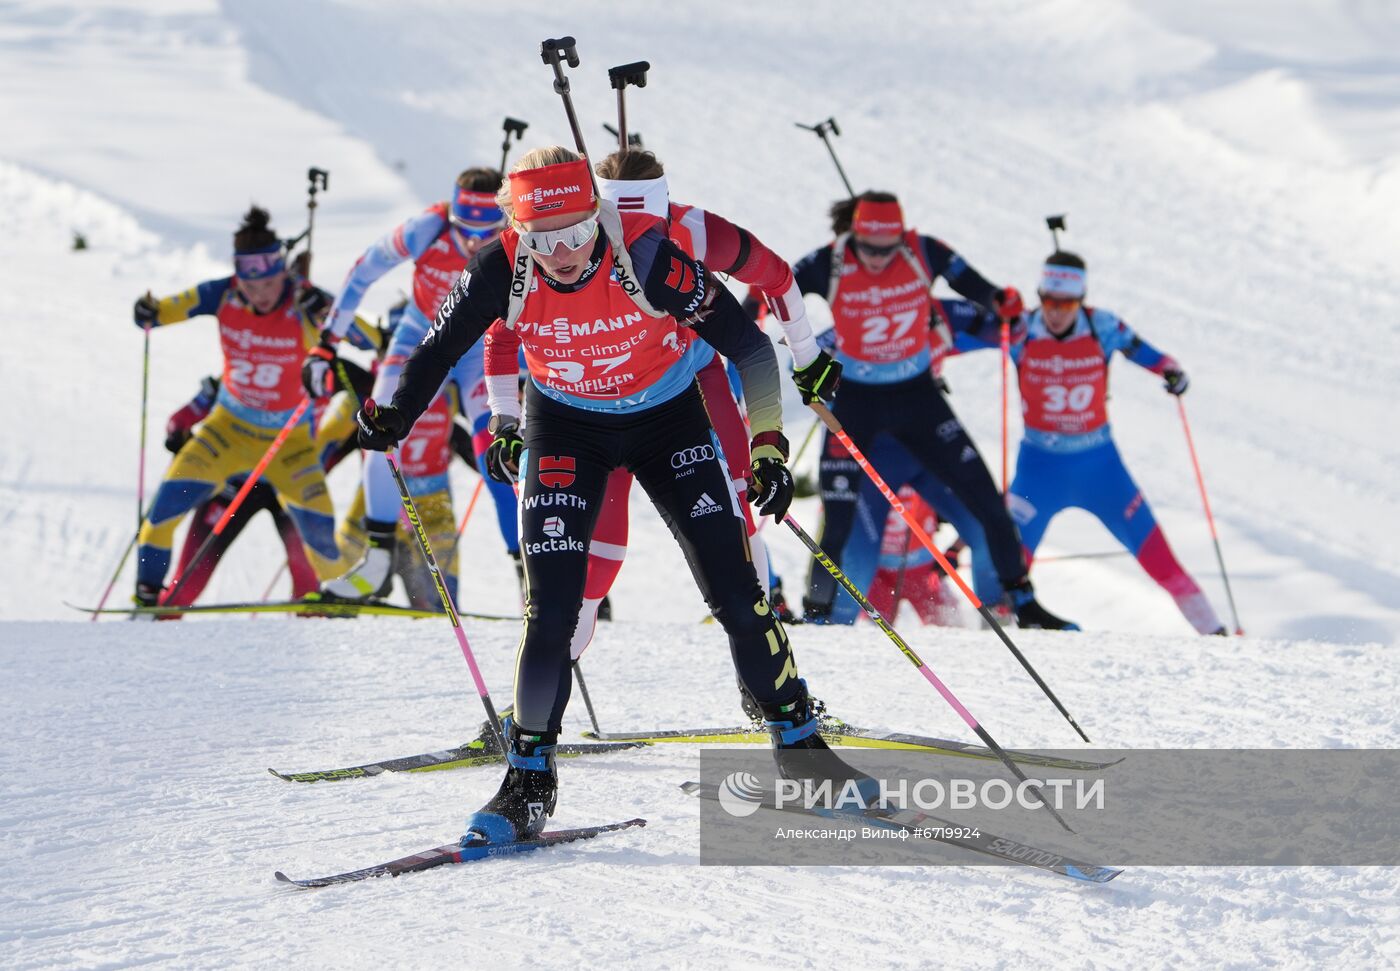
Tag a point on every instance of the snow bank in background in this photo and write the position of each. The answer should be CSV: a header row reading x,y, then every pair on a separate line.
x,y
1230,174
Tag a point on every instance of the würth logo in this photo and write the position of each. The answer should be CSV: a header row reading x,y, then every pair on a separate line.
x,y
680,278
557,471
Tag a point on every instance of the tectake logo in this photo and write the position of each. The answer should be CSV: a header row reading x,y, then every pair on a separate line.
x,y
553,526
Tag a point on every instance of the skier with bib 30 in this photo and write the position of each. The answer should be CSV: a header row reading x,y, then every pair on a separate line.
x,y
1068,456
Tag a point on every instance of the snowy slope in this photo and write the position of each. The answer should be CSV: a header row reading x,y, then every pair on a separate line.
x,y
1229,173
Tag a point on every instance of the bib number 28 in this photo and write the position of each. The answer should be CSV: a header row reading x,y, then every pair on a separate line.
x,y
258,375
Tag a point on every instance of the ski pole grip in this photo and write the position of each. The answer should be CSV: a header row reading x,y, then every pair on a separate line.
x,y
828,419
370,408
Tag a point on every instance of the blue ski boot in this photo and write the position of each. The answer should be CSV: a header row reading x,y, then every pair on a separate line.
x,y
526,798
802,754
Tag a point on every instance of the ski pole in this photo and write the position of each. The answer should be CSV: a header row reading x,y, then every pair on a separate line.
x,y
821,128
587,701
466,516
512,126
411,510
830,421
555,52
918,662
273,582
619,77
242,494
145,397
1210,519
811,433
121,564
1005,368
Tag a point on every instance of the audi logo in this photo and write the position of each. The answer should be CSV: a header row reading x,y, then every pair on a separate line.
x,y
690,456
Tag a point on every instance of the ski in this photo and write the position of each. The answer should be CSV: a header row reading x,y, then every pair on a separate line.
x,y
457,853
923,826
316,608
477,752
837,732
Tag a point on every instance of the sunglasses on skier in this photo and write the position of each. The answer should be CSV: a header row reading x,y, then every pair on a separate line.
x,y
1058,303
476,231
870,249
574,237
258,266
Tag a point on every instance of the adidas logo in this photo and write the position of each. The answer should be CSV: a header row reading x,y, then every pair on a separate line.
x,y
704,506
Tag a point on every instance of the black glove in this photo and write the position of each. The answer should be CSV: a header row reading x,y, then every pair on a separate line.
x,y
818,381
381,427
313,302
503,454
771,487
318,375
1177,381
146,312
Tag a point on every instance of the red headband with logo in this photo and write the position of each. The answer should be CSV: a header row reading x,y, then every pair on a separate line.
x,y
554,190
877,218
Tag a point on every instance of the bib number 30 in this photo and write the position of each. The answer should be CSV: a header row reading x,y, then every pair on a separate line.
x,y
1060,398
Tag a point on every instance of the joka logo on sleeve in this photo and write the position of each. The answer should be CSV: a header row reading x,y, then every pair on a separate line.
x,y
557,471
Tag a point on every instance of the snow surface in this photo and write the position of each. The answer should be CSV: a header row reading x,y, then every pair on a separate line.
x,y
1230,172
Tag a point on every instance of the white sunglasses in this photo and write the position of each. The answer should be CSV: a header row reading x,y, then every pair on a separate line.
x,y
575,237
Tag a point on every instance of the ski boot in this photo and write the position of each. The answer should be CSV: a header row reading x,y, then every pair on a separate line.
x,y
146,595
373,576
779,603
802,754
1030,614
525,801
605,609
814,612
485,742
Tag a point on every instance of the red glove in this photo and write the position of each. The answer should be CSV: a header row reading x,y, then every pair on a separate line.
x,y
179,429
1008,303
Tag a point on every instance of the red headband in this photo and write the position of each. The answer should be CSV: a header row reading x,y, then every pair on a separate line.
x,y
554,190
877,218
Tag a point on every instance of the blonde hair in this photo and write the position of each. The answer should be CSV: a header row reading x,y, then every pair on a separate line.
x,y
536,158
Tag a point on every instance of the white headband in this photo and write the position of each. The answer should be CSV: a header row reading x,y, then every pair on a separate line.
x,y
637,195
1063,281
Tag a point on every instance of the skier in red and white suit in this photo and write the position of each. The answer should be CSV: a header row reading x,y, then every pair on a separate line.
x,y
636,182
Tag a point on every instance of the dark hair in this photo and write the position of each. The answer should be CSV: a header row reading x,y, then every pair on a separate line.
x,y
844,211
633,165
480,179
1064,258
255,233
